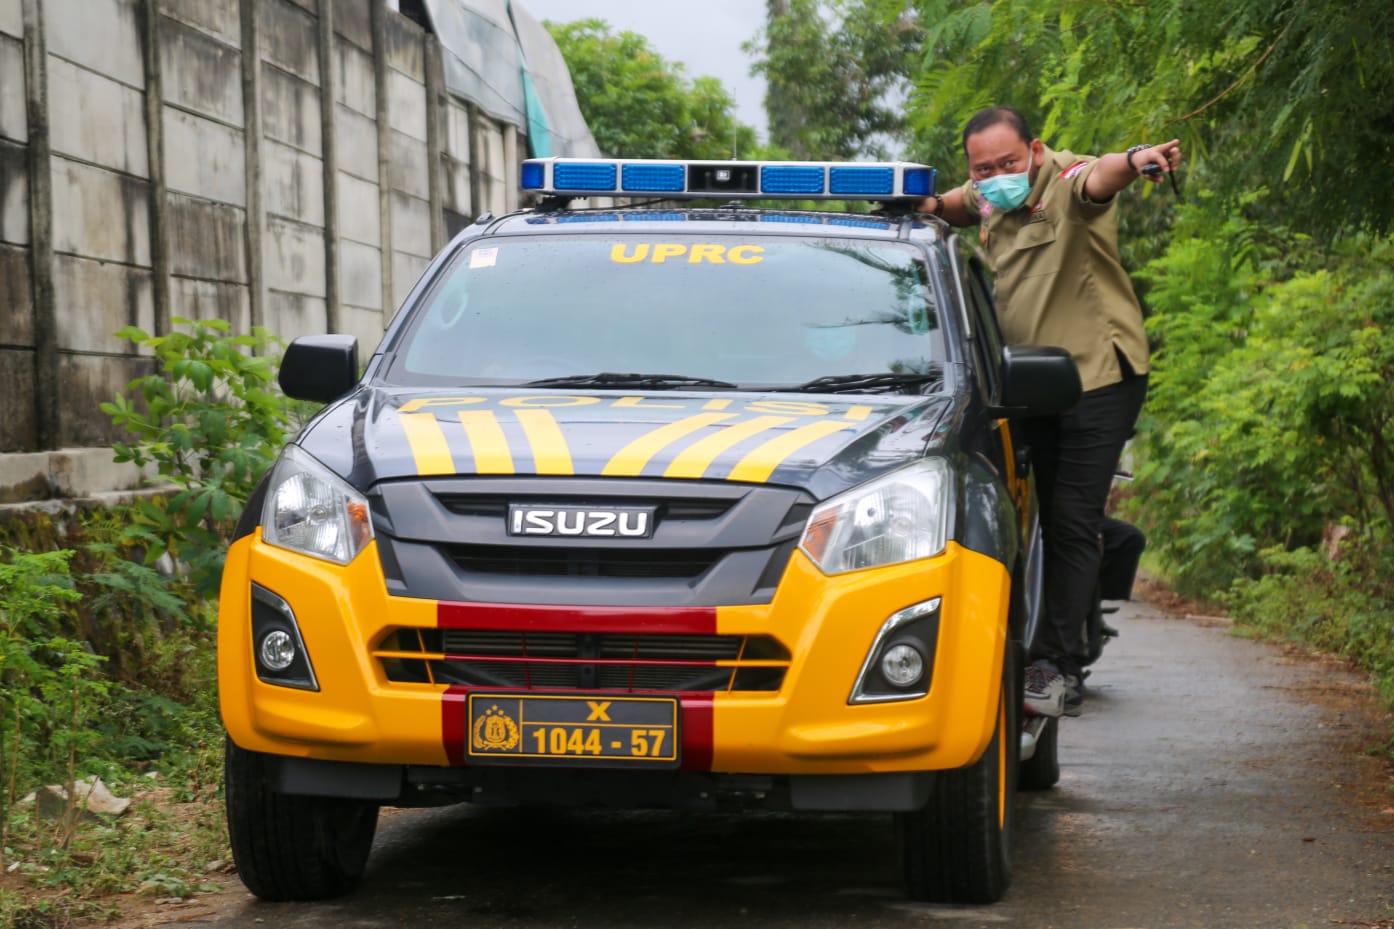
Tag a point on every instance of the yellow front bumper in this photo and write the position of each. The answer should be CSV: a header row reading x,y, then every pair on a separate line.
x,y
827,624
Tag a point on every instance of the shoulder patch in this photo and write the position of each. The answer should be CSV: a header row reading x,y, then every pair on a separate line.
x,y
1074,169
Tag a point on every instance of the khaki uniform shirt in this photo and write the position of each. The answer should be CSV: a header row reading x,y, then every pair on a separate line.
x,y
1059,279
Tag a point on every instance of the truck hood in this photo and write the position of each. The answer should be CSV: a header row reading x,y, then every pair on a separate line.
x,y
821,443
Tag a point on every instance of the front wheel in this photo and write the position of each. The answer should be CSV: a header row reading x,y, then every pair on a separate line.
x,y
291,847
958,847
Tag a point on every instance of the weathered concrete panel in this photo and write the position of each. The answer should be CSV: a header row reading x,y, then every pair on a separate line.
x,y
11,18
108,40
309,6
294,257
194,299
218,18
100,214
13,123
22,476
292,315
14,194
360,214
96,119
405,50
406,271
356,89
17,299
360,274
86,382
406,105
18,430
357,138
204,158
411,225
456,139
407,171
201,73
491,167
289,39
206,239
365,325
353,19
290,110
455,186
293,183
95,299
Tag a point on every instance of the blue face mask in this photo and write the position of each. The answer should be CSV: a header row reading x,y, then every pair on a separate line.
x,y
1007,191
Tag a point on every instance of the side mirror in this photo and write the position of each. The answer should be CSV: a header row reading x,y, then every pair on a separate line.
x,y
1037,380
321,368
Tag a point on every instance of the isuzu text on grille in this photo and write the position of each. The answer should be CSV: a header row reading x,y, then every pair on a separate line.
x,y
574,521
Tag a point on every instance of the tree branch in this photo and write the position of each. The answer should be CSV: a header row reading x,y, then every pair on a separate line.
x,y
1232,87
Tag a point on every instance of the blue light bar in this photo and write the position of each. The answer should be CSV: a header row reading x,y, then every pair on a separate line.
x,y
584,175
855,181
727,180
652,177
800,180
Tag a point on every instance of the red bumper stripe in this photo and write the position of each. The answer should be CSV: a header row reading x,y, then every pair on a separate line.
x,y
543,618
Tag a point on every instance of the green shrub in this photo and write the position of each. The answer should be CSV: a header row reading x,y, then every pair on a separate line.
x,y
211,421
1270,412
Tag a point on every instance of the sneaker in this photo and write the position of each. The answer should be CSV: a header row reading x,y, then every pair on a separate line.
x,y
1045,689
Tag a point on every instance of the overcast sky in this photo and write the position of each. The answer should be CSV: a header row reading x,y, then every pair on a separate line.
x,y
706,36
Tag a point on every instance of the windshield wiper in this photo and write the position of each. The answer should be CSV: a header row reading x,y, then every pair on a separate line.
x,y
611,379
855,383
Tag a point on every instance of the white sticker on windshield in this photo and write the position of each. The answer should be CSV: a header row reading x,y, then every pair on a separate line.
x,y
484,257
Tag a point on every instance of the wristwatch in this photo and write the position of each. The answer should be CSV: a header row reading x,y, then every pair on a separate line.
x,y
1133,151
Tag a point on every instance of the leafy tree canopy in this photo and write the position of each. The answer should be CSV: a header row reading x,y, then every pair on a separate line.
x,y
640,106
1295,100
836,72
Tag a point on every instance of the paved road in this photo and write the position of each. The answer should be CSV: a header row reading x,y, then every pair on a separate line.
x,y
1210,784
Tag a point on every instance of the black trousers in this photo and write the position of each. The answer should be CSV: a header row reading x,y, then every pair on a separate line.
x,y
1074,456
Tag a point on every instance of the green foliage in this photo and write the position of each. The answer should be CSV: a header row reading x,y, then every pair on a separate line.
x,y
34,669
211,422
1342,605
640,106
834,73
1270,413
1297,96
63,716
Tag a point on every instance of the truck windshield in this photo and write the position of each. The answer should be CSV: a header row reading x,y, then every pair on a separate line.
x,y
762,311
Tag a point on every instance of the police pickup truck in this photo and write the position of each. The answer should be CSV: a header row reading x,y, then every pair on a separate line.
x,y
699,506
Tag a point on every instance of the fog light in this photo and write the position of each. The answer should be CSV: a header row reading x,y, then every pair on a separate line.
x,y
277,650
902,665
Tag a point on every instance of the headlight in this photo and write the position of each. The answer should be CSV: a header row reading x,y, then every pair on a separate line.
x,y
899,517
311,510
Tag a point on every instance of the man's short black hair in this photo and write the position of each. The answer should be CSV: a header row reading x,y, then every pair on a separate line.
x,y
991,117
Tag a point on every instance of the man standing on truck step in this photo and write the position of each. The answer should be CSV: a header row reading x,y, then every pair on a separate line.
x,y
1048,223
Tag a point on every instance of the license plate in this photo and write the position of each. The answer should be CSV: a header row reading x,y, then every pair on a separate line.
x,y
556,729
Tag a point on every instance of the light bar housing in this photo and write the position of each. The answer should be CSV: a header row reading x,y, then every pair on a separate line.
x,y
727,180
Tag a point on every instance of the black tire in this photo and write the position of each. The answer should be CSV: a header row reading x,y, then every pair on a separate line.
x,y
958,847
1042,770
292,847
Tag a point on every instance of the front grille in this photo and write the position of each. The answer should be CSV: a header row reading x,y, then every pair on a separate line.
x,y
712,543
582,562
584,661
496,506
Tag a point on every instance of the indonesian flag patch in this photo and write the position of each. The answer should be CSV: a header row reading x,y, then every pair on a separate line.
x,y
1074,169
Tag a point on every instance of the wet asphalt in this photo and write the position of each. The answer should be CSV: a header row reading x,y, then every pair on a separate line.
x,y
1212,783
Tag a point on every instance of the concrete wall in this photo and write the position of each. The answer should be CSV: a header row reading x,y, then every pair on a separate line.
x,y
291,164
